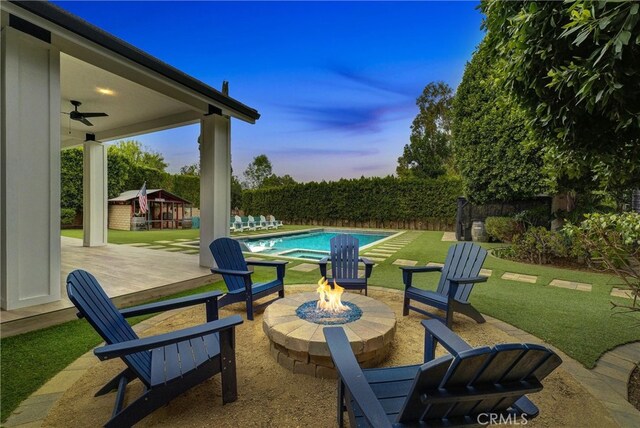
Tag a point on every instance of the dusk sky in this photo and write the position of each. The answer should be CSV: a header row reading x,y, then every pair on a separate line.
x,y
335,83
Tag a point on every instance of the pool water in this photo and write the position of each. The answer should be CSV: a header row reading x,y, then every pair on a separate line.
x,y
307,245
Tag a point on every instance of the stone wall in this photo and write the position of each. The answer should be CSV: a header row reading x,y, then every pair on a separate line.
x,y
120,217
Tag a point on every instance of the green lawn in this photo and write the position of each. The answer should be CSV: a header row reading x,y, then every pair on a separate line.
x,y
579,323
151,236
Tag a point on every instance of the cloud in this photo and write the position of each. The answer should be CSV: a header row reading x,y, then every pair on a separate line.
x,y
312,151
362,79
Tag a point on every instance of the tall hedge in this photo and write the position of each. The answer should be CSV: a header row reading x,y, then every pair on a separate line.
x,y
494,149
122,176
377,199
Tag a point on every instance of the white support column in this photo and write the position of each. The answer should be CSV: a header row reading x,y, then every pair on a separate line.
x,y
94,194
29,171
215,182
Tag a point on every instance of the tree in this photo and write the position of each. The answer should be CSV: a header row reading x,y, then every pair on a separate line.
x,y
427,154
257,172
193,169
495,151
575,68
138,155
277,181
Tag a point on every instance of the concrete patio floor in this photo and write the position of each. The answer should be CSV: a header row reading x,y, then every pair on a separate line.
x,y
128,274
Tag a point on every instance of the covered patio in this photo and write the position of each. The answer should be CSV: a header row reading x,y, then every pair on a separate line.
x,y
51,58
128,274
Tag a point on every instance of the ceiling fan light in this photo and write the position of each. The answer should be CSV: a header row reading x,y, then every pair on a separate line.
x,y
105,91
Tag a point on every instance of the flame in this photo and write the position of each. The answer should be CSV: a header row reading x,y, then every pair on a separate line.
x,y
329,299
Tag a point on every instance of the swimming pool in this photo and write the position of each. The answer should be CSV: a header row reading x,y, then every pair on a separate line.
x,y
312,245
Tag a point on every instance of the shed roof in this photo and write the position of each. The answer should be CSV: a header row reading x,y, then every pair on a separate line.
x,y
133,194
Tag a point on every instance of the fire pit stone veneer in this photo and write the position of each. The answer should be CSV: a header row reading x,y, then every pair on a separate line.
x,y
299,345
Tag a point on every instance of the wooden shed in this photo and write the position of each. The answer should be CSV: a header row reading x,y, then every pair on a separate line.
x,y
166,211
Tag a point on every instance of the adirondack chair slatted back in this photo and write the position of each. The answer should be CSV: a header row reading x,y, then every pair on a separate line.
x,y
87,295
344,257
228,255
480,380
464,260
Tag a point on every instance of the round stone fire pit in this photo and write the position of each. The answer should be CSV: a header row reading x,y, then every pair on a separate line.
x,y
299,345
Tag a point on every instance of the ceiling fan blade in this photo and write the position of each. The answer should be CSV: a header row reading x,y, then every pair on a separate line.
x,y
85,121
94,114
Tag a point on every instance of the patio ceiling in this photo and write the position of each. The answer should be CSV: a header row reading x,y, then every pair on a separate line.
x,y
132,108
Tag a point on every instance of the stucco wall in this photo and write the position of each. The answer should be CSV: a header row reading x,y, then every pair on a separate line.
x,y
120,217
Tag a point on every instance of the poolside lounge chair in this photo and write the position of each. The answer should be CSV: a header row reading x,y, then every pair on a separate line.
x,y
248,224
464,388
274,222
237,276
344,264
256,224
167,364
460,272
266,224
235,224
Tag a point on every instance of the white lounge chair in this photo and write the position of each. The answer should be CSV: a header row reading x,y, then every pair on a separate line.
x,y
266,224
274,222
256,224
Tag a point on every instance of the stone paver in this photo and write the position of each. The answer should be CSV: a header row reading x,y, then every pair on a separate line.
x,y
486,272
172,249
449,237
305,267
163,242
520,277
156,247
434,264
403,262
183,239
571,285
375,259
377,254
620,292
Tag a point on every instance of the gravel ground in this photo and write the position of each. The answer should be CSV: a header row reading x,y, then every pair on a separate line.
x,y
271,396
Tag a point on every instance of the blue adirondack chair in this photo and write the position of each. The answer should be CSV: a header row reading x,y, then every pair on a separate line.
x,y
454,390
234,270
460,272
167,364
344,263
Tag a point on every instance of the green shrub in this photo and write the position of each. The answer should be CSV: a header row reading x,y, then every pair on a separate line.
x,y
67,215
359,200
540,246
502,229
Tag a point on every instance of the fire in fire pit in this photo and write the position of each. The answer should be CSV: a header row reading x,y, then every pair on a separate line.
x,y
329,309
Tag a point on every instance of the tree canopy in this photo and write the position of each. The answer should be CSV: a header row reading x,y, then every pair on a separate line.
x,y
138,155
494,149
575,68
257,171
428,152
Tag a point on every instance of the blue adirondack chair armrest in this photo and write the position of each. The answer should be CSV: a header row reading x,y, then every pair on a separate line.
x,y
351,375
436,332
454,283
323,266
245,273
278,264
171,304
368,266
120,349
408,271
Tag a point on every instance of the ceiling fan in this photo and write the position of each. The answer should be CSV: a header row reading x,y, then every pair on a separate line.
x,y
82,116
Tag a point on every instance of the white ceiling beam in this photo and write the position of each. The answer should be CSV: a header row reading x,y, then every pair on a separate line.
x,y
160,124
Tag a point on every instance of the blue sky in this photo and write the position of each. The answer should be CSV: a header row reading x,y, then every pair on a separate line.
x,y
335,82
